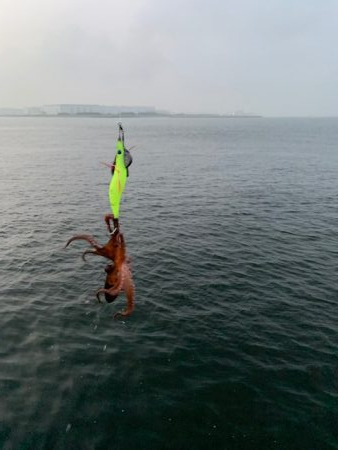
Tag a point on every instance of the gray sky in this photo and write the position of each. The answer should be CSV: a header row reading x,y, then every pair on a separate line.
x,y
272,57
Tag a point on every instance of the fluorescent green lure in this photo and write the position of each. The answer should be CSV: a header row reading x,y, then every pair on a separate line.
x,y
118,180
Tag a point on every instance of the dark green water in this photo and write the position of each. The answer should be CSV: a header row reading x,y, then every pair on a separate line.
x,y
232,228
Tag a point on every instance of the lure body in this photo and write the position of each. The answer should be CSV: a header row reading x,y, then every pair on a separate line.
x,y
118,180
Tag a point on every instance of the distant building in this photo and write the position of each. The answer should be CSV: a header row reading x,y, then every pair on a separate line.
x,y
78,109
11,112
33,111
136,109
70,109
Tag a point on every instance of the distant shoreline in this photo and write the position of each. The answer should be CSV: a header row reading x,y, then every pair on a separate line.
x,y
140,116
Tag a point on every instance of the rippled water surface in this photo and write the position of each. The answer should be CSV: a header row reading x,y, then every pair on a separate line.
x,y
232,229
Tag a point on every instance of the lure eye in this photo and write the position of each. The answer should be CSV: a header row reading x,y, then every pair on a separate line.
x,y
119,152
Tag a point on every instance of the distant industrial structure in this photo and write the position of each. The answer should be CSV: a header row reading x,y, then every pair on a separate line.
x,y
11,112
78,109
69,109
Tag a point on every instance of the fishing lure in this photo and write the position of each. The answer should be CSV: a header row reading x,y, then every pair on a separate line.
x,y
117,184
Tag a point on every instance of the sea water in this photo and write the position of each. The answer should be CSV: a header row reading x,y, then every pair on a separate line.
x,y
232,228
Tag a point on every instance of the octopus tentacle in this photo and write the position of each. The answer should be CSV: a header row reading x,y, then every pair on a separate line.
x,y
112,291
85,237
86,252
98,292
123,313
130,294
117,288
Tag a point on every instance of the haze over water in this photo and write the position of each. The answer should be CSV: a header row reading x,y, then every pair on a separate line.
x,y
232,229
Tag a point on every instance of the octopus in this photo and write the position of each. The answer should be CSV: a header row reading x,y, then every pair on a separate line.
x,y
118,272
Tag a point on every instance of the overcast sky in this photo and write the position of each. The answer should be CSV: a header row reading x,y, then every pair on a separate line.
x,y
272,57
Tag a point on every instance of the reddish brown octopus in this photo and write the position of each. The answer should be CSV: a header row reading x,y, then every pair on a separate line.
x,y
119,276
